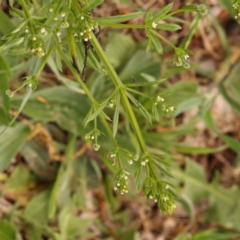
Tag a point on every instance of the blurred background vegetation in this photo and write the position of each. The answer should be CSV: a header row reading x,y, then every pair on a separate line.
x,y
54,186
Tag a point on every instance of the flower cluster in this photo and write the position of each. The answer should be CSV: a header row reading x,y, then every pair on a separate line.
x,y
236,7
132,157
84,28
158,191
158,99
121,181
94,136
202,9
167,108
181,56
37,46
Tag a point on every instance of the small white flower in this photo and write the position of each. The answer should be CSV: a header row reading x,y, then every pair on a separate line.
x,y
155,200
50,10
115,188
39,49
125,177
160,99
92,137
165,198
34,38
130,162
58,34
171,108
154,25
143,163
118,184
82,17
26,30
43,30
111,105
63,14
33,50
151,197
85,39
81,33
186,57
167,187
30,85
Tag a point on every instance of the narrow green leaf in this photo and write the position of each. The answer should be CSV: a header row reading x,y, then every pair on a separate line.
x,y
162,12
155,112
163,170
140,107
116,115
4,75
87,116
118,18
200,150
7,231
232,143
156,43
168,26
234,104
188,8
96,113
91,4
146,84
148,17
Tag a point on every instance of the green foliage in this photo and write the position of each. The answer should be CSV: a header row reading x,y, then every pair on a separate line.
x,y
116,113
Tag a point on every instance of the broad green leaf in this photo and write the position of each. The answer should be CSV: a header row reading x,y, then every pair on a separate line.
x,y
36,211
20,178
6,25
7,231
58,104
157,17
118,18
119,55
91,4
37,159
70,225
168,27
188,104
140,62
195,183
116,115
140,107
11,142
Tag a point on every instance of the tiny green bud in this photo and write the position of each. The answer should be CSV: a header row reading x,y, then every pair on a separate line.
x,y
9,93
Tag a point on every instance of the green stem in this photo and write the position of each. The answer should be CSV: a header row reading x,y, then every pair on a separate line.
x,y
28,17
122,92
164,39
88,93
